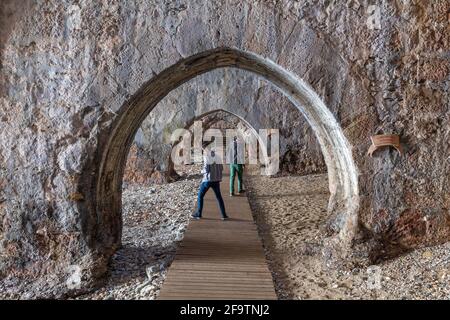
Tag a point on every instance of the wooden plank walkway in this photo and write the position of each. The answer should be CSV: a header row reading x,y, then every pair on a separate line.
x,y
220,259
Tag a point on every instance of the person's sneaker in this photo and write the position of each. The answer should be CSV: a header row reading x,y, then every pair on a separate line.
x,y
231,194
196,216
225,218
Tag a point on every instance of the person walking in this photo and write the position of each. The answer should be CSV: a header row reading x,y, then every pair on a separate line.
x,y
212,176
236,168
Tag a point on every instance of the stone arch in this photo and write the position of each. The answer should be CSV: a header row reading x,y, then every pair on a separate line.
x,y
209,112
247,124
342,171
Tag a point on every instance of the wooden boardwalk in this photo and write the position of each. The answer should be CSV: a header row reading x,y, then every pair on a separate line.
x,y
220,259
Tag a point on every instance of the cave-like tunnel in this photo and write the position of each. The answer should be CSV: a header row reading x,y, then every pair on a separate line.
x,y
355,96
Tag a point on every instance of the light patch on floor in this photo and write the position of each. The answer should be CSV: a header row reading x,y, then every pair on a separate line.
x,y
290,212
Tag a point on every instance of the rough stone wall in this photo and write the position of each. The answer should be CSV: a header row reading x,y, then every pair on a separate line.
x,y
140,169
67,67
409,71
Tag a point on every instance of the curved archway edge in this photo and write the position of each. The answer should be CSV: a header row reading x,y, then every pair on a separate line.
x,y
247,124
342,172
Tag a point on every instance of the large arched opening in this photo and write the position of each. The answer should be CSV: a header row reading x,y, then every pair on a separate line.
x,y
249,130
342,172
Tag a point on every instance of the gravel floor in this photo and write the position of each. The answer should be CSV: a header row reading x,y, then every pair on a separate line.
x,y
289,212
155,219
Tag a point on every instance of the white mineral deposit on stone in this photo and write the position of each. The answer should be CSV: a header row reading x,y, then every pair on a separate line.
x,y
74,280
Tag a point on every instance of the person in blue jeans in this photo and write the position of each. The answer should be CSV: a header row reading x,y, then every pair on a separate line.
x,y
212,176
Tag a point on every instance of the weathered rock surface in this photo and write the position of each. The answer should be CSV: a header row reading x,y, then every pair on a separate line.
x,y
67,68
